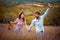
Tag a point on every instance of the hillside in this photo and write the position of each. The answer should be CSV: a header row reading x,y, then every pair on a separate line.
x,y
11,13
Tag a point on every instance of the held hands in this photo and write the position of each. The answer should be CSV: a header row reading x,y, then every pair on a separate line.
x,y
28,28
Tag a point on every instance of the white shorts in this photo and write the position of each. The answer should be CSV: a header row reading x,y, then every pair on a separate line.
x,y
39,35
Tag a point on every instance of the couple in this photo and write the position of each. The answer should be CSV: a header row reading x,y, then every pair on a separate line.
x,y
38,22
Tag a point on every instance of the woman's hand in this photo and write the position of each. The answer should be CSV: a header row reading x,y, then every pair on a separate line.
x,y
11,22
29,30
27,27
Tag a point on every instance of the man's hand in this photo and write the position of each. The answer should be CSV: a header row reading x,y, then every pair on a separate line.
x,y
49,5
29,30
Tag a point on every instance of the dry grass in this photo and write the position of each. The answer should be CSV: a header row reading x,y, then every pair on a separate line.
x,y
51,33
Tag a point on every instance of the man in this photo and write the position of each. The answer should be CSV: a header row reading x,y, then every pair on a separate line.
x,y
39,23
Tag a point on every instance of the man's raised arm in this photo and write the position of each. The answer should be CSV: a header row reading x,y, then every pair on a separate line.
x,y
46,12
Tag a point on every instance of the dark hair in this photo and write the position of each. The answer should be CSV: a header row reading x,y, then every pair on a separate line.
x,y
20,16
37,13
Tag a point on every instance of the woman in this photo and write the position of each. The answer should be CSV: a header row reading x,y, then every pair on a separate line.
x,y
20,21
